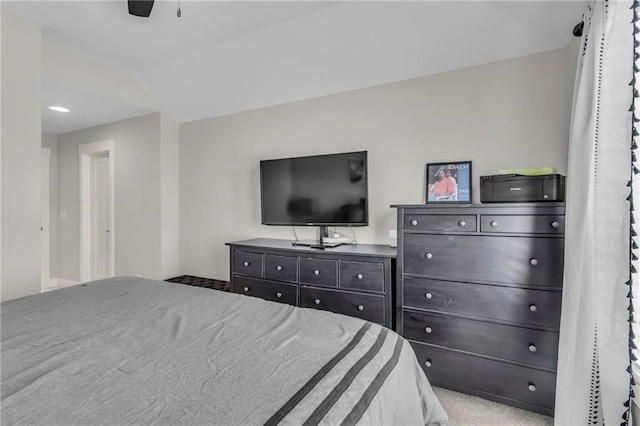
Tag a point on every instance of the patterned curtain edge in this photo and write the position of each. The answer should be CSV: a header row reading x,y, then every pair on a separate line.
x,y
633,246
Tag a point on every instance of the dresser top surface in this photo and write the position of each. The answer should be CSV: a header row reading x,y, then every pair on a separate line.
x,y
378,250
522,208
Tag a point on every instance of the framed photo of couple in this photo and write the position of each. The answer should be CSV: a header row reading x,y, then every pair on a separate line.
x,y
449,182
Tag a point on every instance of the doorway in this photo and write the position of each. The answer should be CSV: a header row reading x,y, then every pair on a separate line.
x,y
96,211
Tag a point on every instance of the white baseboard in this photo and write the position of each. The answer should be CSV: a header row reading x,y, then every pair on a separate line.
x,y
61,282
56,283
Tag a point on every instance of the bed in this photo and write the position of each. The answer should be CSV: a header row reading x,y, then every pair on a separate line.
x,y
138,351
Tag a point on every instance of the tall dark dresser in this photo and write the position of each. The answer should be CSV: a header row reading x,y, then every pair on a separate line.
x,y
479,290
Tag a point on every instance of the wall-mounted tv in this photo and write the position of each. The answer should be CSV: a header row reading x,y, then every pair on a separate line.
x,y
320,190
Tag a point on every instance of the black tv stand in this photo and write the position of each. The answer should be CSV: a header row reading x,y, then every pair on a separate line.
x,y
352,279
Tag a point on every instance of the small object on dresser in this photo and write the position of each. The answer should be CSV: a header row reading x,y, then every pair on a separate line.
x,y
393,238
538,171
335,239
521,188
449,182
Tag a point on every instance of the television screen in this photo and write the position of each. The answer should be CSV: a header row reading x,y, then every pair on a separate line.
x,y
322,190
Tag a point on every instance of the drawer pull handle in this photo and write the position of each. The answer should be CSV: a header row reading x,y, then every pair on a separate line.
x,y
462,223
427,363
247,263
278,295
359,276
428,255
532,348
360,308
317,301
532,387
533,261
428,330
428,295
316,272
246,289
533,308
555,224
279,268
414,222
493,223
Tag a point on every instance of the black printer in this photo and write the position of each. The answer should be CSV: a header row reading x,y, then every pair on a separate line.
x,y
521,188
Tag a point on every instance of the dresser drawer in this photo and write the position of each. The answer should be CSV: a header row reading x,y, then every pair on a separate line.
x,y
503,259
531,386
267,290
535,307
363,276
508,342
319,272
247,263
526,224
281,268
440,222
369,307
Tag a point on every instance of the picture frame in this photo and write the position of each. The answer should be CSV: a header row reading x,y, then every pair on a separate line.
x,y
457,187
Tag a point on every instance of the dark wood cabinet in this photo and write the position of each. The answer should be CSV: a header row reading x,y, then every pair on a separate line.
x,y
490,378
370,307
509,304
479,293
281,268
514,342
316,271
268,290
355,280
530,261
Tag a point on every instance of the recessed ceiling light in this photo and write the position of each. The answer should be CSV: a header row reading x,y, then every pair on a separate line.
x,y
58,108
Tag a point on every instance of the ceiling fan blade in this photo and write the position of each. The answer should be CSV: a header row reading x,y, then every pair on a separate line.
x,y
140,8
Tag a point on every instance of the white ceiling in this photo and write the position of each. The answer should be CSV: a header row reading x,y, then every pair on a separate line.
x,y
223,57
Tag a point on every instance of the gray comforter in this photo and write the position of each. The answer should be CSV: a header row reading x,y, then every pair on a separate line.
x,y
137,351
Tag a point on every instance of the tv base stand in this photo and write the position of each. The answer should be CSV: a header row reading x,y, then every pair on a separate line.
x,y
315,244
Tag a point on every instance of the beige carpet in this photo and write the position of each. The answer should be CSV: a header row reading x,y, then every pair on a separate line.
x,y
464,410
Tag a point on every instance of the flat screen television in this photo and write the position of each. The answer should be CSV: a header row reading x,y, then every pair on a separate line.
x,y
320,190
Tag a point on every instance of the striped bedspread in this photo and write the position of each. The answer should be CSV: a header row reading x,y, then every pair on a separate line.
x,y
137,351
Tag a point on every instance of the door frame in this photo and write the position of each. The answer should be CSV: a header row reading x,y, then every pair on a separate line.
x,y
45,217
85,152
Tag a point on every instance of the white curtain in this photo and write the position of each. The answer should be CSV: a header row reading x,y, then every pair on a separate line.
x,y
593,383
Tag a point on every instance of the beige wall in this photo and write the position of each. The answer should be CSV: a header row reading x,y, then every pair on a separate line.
x,y
170,206
20,159
512,113
136,196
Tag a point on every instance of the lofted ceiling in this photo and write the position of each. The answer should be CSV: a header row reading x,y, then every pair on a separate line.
x,y
223,57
